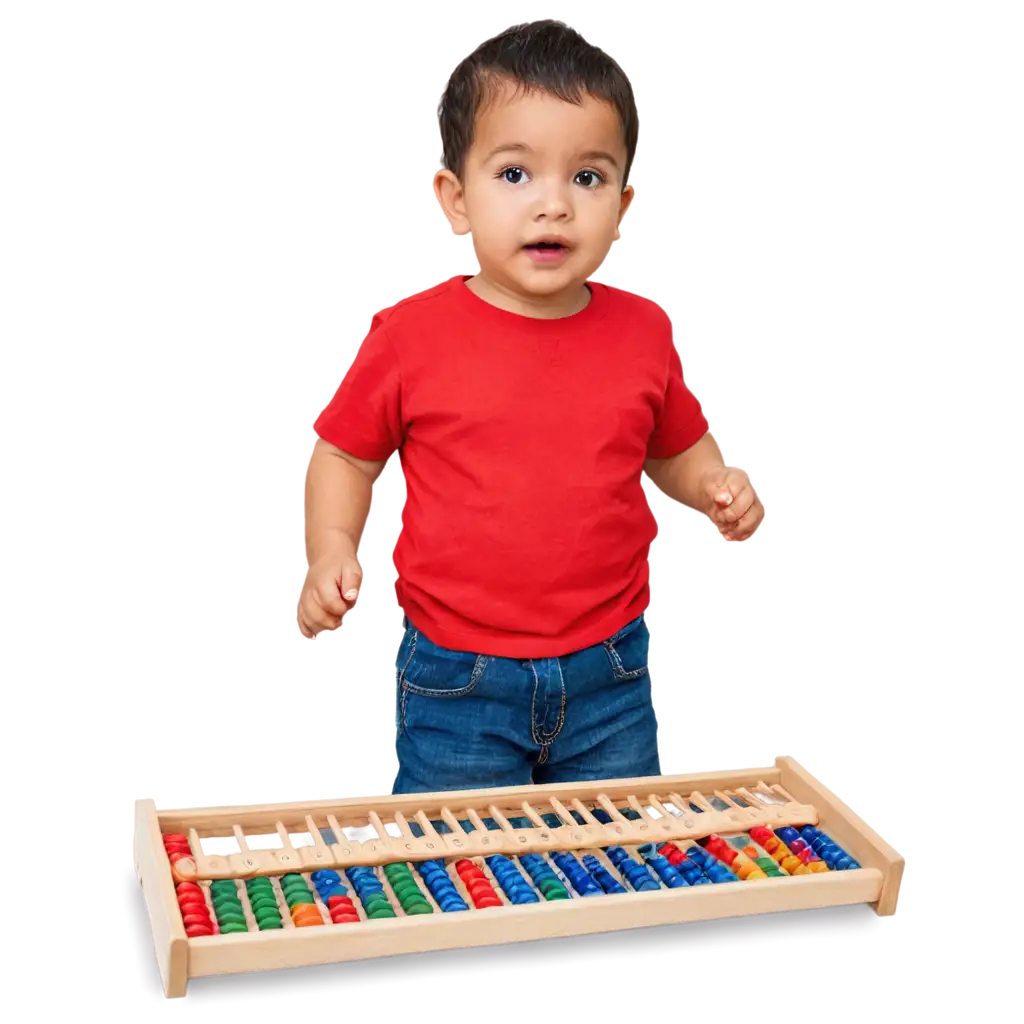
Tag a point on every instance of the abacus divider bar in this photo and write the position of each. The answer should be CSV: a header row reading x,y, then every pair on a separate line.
x,y
291,857
563,812
349,850
240,838
452,822
599,826
753,798
378,827
207,865
653,800
483,841
685,810
321,855
534,817
506,826
698,798
427,825
637,806
403,826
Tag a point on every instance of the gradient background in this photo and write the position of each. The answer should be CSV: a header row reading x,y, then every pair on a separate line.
x,y
198,211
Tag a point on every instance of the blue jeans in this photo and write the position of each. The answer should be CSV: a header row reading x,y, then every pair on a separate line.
x,y
467,721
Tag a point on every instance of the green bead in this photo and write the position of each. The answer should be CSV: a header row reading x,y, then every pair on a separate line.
x,y
232,927
269,925
419,908
296,898
380,912
259,885
263,920
292,877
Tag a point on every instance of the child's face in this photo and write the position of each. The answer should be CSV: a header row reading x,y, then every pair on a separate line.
x,y
540,167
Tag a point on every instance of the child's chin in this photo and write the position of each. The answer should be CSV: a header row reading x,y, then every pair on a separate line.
x,y
548,282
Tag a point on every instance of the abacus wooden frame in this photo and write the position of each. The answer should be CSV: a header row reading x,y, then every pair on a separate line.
x,y
179,958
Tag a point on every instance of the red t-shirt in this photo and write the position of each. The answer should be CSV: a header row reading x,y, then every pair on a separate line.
x,y
526,528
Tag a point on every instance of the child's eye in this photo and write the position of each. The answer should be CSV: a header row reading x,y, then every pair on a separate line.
x,y
596,178
506,171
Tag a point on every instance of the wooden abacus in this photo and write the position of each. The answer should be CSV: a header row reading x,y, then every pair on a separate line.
x,y
592,817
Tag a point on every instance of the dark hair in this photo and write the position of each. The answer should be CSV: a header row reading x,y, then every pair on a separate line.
x,y
545,55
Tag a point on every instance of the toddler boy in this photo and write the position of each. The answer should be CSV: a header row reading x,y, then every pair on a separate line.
x,y
525,402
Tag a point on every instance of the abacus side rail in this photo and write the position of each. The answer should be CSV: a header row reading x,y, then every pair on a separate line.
x,y
154,874
234,954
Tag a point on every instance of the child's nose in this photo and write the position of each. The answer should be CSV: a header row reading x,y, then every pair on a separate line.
x,y
553,199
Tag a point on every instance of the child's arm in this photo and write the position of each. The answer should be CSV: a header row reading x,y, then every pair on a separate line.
x,y
698,477
338,491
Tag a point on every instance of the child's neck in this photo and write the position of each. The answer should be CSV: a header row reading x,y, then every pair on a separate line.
x,y
541,307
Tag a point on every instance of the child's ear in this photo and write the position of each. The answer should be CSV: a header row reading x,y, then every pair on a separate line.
x,y
452,198
624,200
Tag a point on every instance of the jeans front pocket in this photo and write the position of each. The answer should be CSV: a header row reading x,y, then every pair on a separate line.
x,y
434,671
628,648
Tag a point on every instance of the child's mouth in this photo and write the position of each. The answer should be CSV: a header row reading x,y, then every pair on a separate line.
x,y
547,252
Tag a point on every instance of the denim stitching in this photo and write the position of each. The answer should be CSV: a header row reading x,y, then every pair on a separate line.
x,y
478,670
401,678
613,655
544,743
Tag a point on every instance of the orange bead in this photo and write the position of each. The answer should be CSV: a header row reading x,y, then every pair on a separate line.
x,y
304,911
308,922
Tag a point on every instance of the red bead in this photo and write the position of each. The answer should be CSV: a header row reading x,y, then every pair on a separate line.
x,y
175,837
188,887
487,901
190,919
198,929
190,903
344,918
338,901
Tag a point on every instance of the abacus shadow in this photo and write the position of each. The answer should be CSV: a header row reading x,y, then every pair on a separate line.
x,y
842,957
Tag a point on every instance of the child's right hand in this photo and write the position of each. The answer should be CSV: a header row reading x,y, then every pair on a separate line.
x,y
331,587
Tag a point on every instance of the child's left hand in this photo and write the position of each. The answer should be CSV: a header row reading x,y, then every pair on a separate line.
x,y
733,506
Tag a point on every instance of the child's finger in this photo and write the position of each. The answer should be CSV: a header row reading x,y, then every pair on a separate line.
x,y
738,508
316,616
350,581
724,486
327,598
745,526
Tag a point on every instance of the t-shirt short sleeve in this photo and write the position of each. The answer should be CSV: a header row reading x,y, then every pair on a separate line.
x,y
364,418
680,423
